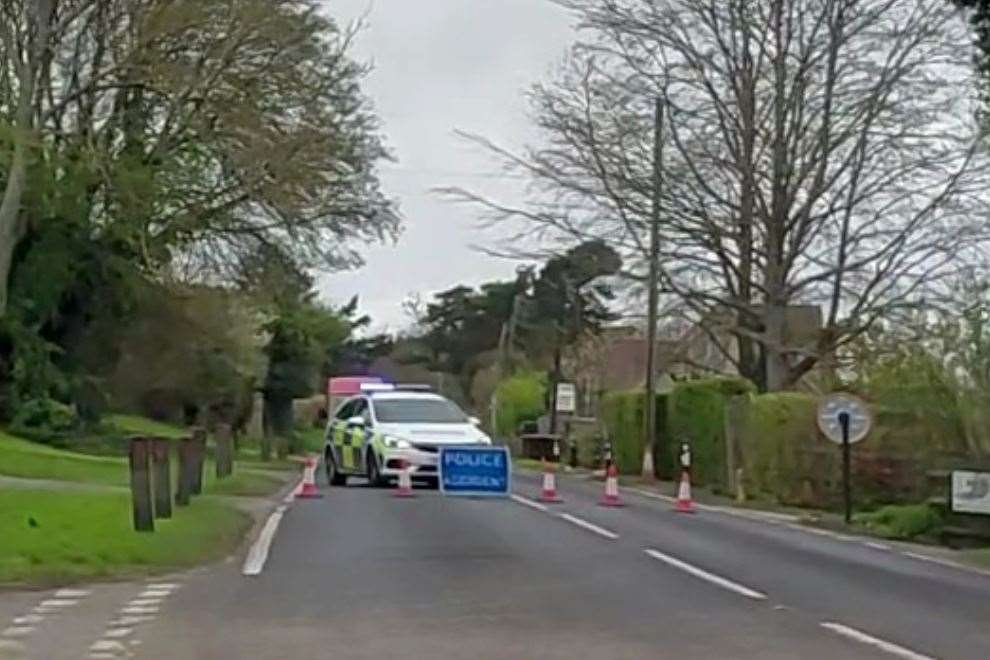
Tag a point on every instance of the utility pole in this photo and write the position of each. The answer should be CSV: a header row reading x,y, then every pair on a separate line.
x,y
650,404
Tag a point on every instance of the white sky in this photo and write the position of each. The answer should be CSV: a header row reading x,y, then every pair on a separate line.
x,y
442,65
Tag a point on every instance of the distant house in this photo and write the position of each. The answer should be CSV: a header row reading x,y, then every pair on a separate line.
x,y
616,359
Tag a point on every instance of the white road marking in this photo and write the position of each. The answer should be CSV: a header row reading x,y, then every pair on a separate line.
x,y
130,620
144,602
163,586
528,502
875,642
946,562
108,645
591,527
117,633
772,517
877,546
101,656
139,610
17,631
58,602
705,575
71,593
28,619
258,555
155,593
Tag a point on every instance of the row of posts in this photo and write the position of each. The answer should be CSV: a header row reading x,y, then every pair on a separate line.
x,y
151,472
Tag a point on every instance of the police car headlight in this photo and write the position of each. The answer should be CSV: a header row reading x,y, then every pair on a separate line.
x,y
396,443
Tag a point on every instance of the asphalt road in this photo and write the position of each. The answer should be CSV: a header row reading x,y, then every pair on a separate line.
x,y
360,574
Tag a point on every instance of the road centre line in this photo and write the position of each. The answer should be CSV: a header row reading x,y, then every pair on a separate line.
x,y
528,502
705,575
876,642
591,527
258,555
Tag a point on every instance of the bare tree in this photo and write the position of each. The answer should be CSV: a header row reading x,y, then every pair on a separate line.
x,y
819,152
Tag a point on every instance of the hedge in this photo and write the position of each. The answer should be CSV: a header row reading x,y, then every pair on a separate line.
x,y
520,398
693,413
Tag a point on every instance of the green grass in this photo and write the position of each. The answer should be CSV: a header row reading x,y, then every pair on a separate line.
x,y
980,557
29,460
135,425
902,521
58,537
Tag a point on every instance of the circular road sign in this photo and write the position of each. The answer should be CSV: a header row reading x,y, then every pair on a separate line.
x,y
830,411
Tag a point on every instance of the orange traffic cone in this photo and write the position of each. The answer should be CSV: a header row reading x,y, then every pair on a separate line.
x,y
549,492
684,502
405,488
308,489
611,496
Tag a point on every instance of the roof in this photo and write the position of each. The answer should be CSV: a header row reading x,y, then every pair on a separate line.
x,y
431,396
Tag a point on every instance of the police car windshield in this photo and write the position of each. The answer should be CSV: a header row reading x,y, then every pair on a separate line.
x,y
418,411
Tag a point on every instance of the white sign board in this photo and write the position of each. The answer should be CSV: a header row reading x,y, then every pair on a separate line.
x,y
830,413
971,492
566,398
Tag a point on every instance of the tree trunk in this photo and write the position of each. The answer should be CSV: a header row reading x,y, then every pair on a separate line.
x,y
11,218
777,367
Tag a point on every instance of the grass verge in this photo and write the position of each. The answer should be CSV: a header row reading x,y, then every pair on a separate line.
x,y
979,557
30,460
57,538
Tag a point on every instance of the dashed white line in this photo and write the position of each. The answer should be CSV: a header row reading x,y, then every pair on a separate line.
x,y
875,642
528,502
705,575
163,586
144,602
17,631
591,527
258,555
71,593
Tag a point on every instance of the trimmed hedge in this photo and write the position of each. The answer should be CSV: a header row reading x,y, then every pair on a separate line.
x,y
693,413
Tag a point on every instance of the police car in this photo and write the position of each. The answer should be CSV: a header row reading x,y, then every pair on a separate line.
x,y
384,428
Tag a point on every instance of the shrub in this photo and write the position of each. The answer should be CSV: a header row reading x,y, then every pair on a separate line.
x,y
697,416
520,398
45,420
902,521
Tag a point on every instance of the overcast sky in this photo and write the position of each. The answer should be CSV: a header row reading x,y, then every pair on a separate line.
x,y
442,65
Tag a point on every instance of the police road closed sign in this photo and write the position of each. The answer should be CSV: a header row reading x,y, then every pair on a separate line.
x,y
971,492
475,471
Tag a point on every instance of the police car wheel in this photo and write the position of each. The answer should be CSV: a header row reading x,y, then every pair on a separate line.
x,y
334,477
374,473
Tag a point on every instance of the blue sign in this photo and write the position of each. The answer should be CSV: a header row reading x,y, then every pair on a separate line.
x,y
475,471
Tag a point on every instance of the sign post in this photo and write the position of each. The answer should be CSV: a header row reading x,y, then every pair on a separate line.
x,y
970,492
475,471
845,420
